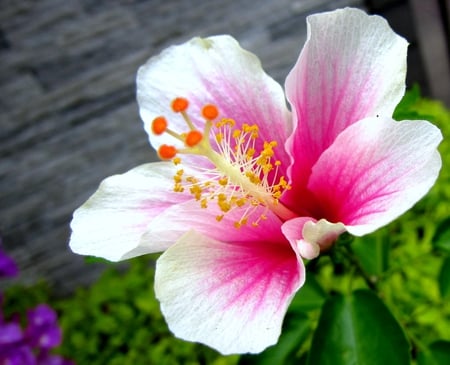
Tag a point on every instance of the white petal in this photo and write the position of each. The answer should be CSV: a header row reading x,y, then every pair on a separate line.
x,y
111,223
213,70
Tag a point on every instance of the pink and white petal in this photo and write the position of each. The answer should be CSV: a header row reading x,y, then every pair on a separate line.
x,y
175,221
111,222
212,70
230,296
375,171
352,66
309,237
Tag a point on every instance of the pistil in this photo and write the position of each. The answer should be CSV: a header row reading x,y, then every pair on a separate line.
x,y
240,178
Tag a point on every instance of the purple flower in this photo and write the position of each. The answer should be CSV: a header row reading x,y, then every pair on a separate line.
x,y
45,358
43,330
10,333
32,346
8,267
20,355
13,348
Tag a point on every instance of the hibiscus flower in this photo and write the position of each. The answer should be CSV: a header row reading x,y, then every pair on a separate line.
x,y
251,187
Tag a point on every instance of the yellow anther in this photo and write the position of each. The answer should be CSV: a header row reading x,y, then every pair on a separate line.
x,y
176,161
250,152
267,168
224,206
251,129
196,191
242,222
178,188
192,180
252,177
223,181
225,122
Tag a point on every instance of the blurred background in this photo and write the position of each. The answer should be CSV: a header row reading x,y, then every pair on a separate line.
x,y
68,116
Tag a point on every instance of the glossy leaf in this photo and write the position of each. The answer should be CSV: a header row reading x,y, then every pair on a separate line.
x,y
441,239
358,330
296,328
444,279
373,253
437,354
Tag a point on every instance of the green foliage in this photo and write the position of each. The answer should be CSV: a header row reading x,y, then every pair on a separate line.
x,y
14,301
378,299
441,239
358,329
444,279
373,253
117,321
296,329
437,354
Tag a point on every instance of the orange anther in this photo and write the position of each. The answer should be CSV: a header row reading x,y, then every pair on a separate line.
x,y
179,104
159,125
167,152
193,138
210,112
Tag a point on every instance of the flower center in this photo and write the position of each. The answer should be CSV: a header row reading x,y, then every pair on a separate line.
x,y
241,177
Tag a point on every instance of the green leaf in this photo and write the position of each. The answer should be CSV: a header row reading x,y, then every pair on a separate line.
x,y
404,108
444,279
296,328
441,238
372,253
437,354
310,297
358,330
97,260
